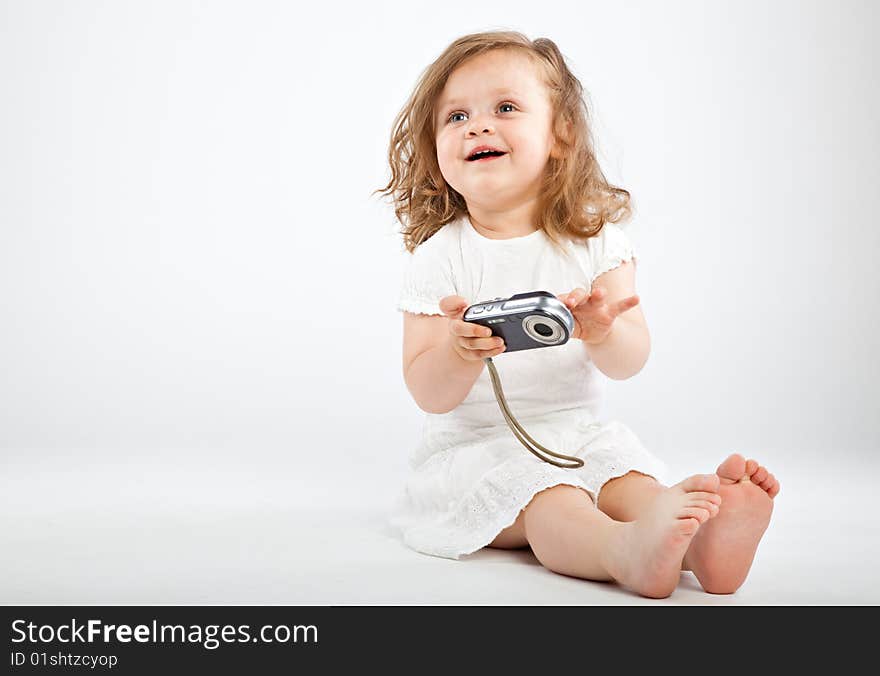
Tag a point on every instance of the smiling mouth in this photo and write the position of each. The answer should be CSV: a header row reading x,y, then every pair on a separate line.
x,y
482,157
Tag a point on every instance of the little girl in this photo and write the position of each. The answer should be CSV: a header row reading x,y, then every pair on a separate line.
x,y
497,186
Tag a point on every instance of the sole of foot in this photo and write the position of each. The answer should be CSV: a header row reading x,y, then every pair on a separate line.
x,y
722,552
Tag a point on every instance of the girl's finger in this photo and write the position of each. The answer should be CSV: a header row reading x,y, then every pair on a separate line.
x,y
625,304
479,344
576,297
459,327
452,306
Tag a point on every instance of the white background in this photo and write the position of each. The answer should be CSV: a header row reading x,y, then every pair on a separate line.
x,y
197,287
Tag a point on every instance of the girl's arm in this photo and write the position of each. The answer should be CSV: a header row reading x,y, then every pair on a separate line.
x,y
625,350
436,376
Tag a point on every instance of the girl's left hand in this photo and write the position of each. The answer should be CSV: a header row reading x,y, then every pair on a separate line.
x,y
593,316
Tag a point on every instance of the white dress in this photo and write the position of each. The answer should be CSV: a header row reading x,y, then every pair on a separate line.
x,y
469,475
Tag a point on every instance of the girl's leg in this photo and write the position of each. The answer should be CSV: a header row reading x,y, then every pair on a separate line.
x,y
512,537
627,497
623,499
568,535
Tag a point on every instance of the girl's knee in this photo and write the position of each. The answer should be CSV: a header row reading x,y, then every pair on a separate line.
x,y
543,507
553,501
551,518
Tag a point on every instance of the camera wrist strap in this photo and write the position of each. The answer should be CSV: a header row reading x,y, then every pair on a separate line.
x,y
517,429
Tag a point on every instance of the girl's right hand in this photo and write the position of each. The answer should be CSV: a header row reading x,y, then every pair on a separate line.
x,y
472,342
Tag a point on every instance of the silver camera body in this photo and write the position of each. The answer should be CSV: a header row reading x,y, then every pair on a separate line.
x,y
525,321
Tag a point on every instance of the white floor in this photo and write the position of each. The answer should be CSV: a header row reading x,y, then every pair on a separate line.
x,y
128,533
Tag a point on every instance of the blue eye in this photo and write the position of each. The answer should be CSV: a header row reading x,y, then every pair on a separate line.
x,y
450,118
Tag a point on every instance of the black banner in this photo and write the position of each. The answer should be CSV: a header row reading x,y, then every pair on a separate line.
x,y
259,639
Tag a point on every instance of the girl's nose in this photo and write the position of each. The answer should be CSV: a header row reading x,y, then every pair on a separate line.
x,y
484,127
479,124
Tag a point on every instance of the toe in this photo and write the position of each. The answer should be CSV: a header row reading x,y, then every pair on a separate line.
x,y
768,483
688,526
698,513
705,504
700,482
760,475
708,497
773,491
733,469
751,467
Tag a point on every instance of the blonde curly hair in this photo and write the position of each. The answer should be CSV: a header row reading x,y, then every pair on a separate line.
x,y
575,199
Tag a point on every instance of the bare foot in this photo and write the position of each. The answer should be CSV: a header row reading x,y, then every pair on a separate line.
x,y
646,555
721,554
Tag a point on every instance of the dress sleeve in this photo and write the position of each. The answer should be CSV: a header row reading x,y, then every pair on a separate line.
x,y
427,277
609,249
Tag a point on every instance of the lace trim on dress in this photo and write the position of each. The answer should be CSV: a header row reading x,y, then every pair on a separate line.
x,y
612,262
606,465
419,306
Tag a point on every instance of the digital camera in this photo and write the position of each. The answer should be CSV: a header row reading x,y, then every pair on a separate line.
x,y
525,320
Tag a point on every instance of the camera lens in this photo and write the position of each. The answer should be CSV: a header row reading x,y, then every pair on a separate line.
x,y
543,330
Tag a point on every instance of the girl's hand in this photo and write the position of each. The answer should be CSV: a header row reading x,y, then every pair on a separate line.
x,y
593,316
471,341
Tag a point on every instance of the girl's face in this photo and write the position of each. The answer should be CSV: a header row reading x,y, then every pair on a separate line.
x,y
496,99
